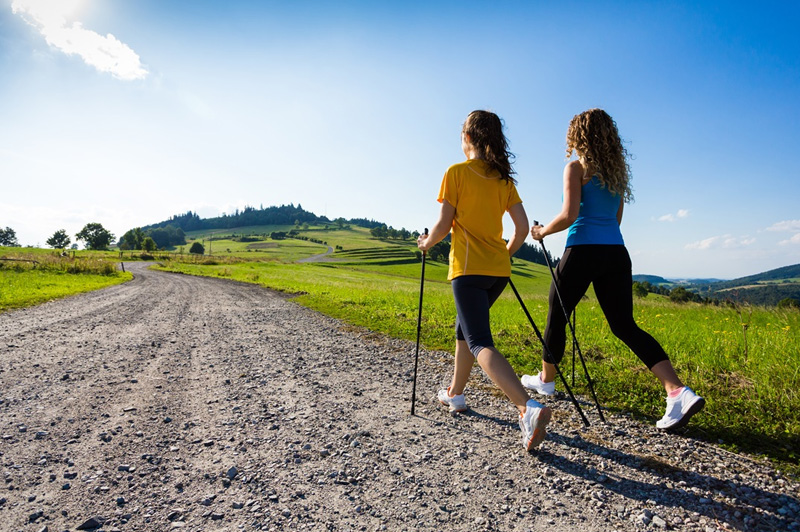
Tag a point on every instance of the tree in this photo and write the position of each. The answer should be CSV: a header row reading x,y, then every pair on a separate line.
x,y
197,248
639,290
167,236
788,302
680,295
96,236
148,244
8,237
380,232
59,240
132,239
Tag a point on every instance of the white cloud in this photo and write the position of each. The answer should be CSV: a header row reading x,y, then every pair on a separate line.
x,y
794,240
786,225
708,243
723,241
105,53
682,213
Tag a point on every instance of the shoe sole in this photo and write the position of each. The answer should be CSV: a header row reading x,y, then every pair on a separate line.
x,y
692,410
540,392
539,428
455,410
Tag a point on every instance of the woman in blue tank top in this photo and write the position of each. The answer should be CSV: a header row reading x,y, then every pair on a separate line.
x,y
596,188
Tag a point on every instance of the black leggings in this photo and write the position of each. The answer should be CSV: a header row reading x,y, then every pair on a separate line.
x,y
474,295
608,268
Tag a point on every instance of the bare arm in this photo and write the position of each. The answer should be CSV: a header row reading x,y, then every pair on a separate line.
x,y
520,219
573,180
619,211
440,229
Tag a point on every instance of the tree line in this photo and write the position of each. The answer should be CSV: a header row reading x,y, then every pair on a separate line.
x,y
535,254
94,235
281,215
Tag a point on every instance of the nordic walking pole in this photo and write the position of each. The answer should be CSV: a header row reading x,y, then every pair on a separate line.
x,y
419,330
548,353
571,328
574,343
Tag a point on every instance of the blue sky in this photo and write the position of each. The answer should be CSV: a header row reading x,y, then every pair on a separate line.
x,y
127,112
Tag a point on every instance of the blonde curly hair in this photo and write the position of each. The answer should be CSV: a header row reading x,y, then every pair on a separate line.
x,y
594,137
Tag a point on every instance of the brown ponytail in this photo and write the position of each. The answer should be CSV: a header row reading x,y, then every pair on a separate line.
x,y
485,130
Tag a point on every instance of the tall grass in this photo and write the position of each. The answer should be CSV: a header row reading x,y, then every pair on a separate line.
x,y
32,277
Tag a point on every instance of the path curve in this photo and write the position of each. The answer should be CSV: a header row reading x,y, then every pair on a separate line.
x,y
321,257
177,402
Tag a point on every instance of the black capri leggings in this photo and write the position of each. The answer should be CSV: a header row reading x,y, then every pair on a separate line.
x,y
474,295
608,268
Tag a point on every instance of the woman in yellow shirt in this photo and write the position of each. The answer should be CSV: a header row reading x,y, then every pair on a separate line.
x,y
474,196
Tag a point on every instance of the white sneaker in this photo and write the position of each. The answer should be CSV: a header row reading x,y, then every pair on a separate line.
x,y
457,403
680,409
534,382
533,424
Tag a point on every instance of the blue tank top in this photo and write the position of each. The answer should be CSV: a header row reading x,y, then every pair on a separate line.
x,y
597,217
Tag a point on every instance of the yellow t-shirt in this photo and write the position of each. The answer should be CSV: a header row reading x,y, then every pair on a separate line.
x,y
480,198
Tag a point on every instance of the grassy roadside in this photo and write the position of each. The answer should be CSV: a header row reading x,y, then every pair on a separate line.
x,y
36,276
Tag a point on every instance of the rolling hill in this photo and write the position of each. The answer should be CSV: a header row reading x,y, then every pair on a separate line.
x,y
767,288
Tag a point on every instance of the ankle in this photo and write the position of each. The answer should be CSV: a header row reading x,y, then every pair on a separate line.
x,y
451,393
675,392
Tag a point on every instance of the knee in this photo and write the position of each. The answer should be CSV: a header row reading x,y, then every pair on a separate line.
x,y
624,329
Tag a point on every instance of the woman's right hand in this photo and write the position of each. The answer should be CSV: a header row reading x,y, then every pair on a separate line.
x,y
422,242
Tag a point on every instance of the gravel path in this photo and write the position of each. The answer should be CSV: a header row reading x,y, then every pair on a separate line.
x,y
180,403
322,257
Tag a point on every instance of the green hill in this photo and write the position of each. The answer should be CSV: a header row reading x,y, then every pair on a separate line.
x,y
652,279
767,288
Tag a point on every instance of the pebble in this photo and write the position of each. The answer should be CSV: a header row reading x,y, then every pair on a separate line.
x,y
659,522
91,523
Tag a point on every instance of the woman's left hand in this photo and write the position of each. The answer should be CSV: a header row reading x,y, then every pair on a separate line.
x,y
537,232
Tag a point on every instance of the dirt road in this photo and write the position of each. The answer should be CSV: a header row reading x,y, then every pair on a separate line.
x,y
181,403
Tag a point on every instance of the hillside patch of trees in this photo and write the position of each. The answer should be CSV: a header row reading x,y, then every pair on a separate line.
x,y
162,238
535,255
249,216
